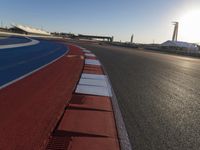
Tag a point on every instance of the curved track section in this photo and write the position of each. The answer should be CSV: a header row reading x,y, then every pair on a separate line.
x,y
158,95
15,42
7,40
19,62
31,107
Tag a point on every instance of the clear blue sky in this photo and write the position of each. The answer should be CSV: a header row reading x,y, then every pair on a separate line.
x,y
148,19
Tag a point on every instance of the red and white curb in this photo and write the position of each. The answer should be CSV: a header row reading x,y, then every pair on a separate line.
x,y
92,118
93,84
99,85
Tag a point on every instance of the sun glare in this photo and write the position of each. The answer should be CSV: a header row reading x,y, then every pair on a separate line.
x,y
189,29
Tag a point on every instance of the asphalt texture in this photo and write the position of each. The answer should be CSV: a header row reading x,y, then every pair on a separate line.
x,y
158,94
16,62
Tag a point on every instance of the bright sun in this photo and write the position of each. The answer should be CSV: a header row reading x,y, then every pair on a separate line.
x,y
189,29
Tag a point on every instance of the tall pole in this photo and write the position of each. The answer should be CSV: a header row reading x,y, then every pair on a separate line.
x,y
132,38
175,33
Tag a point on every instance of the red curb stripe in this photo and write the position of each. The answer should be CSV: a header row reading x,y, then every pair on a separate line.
x,y
93,72
89,57
90,102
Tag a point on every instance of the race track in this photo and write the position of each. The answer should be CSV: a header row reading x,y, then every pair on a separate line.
x,y
158,95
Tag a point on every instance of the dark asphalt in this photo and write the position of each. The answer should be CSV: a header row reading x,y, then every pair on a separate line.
x,y
159,96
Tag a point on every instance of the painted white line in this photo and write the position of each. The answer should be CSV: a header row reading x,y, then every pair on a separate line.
x,y
92,90
90,55
31,35
32,42
26,75
92,62
121,128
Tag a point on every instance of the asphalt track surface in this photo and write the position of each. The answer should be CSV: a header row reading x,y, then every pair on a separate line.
x,y
158,94
16,62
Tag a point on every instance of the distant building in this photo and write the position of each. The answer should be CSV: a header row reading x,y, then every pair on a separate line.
x,y
90,37
174,43
64,35
28,30
179,44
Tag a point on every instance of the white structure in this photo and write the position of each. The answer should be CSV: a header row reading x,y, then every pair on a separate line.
x,y
31,30
189,46
180,44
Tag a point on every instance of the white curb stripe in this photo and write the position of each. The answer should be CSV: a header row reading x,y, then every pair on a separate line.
x,y
93,82
92,90
123,135
92,62
93,76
